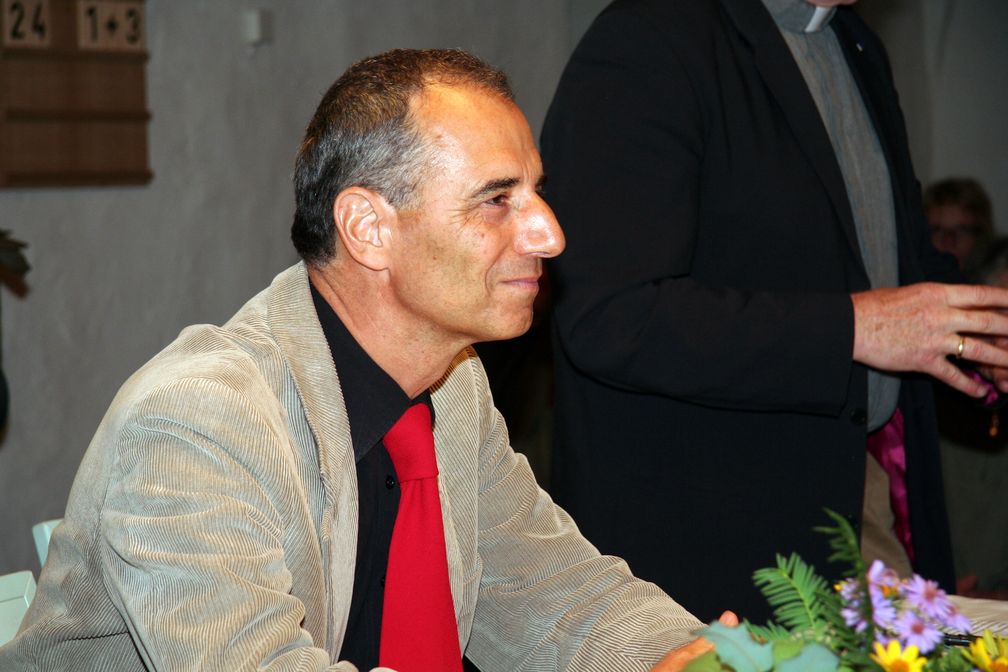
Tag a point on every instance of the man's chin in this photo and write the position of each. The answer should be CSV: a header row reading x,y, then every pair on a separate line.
x,y
506,332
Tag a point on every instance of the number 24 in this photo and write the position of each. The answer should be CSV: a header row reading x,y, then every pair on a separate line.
x,y
18,14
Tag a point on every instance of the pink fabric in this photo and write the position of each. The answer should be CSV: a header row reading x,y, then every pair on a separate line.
x,y
887,446
992,392
418,632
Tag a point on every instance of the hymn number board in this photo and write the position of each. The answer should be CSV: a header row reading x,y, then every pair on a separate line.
x,y
73,105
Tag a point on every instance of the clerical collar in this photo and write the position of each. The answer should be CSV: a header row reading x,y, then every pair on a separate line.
x,y
794,15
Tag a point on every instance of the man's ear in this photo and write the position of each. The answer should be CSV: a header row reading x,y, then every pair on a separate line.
x,y
362,218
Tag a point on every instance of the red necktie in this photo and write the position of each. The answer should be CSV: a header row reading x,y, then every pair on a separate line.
x,y
418,632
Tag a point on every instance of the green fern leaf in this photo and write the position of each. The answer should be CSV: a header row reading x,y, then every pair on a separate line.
x,y
794,591
771,632
845,544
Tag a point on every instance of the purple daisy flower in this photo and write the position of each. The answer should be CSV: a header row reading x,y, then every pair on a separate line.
x,y
850,594
854,618
957,621
883,586
882,578
849,590
927,598
883,610
914,630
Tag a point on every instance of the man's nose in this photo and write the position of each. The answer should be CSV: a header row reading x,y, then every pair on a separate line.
x,y
540,233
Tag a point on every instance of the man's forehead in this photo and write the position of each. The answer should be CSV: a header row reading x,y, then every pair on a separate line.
x,y
438,89
478,126
448,104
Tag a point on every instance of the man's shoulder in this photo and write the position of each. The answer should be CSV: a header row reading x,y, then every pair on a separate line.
x,y
243,354
203,350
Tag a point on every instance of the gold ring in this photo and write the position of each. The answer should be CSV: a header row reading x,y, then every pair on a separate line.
x,y
962,345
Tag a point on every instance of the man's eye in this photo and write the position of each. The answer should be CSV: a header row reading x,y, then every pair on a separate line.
x,y
498,200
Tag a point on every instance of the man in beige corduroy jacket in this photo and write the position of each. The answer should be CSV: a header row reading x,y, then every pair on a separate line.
x,y
213,524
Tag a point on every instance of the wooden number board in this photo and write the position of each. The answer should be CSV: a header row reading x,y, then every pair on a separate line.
x,y
73,107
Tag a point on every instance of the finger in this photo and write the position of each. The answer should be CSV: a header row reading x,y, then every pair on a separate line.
x,y
998,376
729,618
978,321
677,659
976,296
982,352
953,376
694,649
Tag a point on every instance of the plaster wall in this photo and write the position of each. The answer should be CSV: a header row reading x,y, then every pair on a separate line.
x,y
970,96
950,62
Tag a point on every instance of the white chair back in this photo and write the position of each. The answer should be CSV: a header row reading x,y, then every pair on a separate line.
x,y
16,593
42,532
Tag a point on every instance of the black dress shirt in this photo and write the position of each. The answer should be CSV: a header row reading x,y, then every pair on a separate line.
x,y
374,403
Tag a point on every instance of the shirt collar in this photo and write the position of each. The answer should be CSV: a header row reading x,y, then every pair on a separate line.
x,y
793,15
374,401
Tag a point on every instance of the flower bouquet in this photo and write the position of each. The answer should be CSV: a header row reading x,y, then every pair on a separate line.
x,y
868,622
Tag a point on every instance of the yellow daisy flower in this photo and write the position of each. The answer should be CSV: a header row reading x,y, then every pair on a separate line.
x,y
981,656
893,659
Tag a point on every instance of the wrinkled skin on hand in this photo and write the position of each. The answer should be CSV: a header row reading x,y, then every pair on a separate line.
x,y
917,328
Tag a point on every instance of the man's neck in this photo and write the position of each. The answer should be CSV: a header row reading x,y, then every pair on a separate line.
x,y
413,359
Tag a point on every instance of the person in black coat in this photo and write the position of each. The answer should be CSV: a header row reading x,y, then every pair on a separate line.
x,y
716,318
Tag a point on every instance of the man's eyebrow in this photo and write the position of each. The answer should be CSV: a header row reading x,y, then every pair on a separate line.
x,y
493,186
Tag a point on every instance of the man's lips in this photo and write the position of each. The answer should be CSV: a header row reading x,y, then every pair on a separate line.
x,y
528,283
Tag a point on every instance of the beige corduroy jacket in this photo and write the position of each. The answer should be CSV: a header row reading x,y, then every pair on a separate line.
x,y
213,524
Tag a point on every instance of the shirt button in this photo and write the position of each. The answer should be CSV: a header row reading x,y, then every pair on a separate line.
x,y
389,482
383,581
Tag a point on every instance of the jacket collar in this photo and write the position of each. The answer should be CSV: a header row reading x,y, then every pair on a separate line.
x,y
291,317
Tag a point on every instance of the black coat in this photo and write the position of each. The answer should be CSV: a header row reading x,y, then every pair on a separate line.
x,y
708,407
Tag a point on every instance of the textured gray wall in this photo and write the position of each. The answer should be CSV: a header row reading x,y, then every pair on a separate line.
x,y
950,61
119,271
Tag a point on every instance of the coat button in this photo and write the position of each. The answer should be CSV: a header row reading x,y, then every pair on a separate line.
x,y
389,481
858,416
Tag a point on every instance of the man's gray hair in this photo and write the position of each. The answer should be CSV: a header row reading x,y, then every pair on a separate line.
x,y
363,134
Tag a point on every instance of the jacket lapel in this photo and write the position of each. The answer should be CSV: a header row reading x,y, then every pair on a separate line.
x,y
292,319
784,80
456,442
